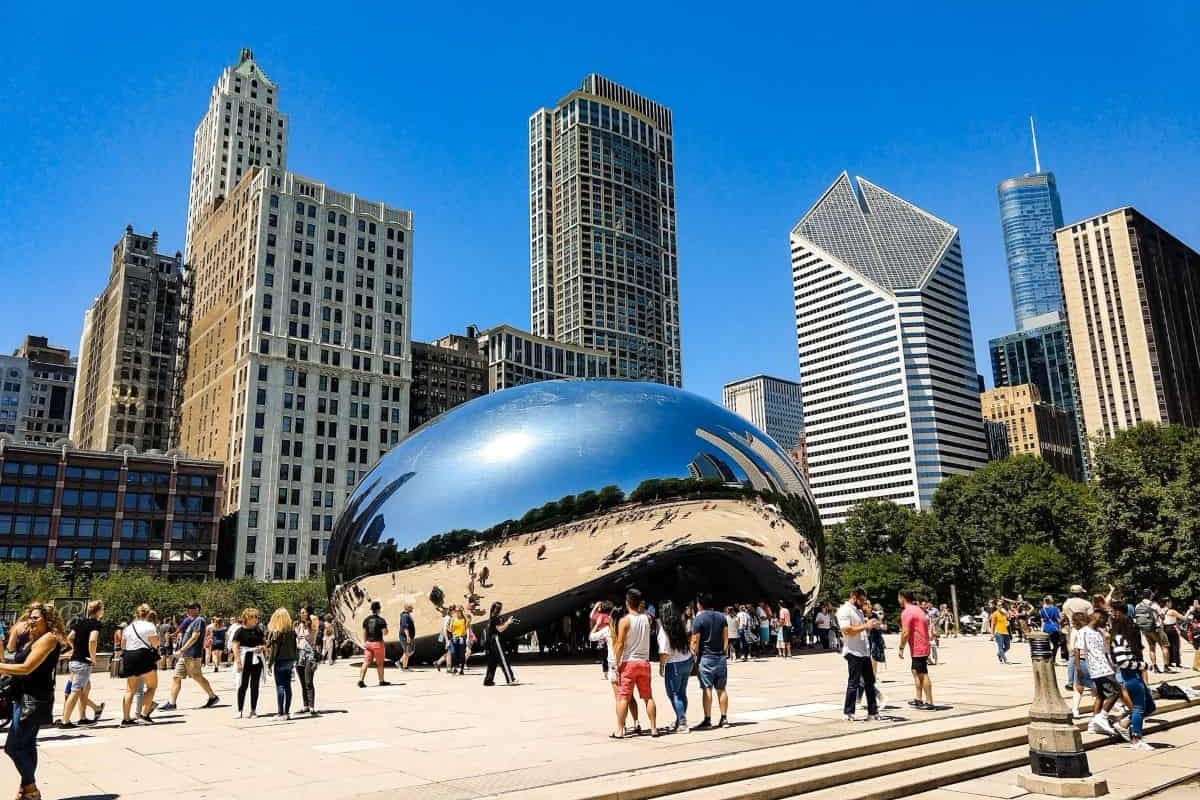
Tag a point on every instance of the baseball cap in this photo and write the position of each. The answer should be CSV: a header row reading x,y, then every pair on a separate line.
x,y
1077,589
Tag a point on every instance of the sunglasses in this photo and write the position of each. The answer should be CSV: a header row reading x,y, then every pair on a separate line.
x,y
36,619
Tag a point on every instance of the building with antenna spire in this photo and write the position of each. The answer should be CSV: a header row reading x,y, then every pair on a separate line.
x,y
1038,351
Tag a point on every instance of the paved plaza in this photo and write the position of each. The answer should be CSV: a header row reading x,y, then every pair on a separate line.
x,y
431,736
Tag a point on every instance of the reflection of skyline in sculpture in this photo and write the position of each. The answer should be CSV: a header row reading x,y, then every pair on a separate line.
x,y
585,468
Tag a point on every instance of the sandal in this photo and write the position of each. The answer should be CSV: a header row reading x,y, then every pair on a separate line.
x,y
611,736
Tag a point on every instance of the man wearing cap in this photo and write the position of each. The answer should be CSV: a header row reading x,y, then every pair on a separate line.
x,y
1077,603
191,648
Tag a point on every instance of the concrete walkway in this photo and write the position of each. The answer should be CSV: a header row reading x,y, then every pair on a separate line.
x,y
438,737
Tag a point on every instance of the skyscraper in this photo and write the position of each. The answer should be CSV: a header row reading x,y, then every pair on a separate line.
x,y
1030,212
242,127
1132,294
604,271
1033,427
49,389
887,366
1038,351
125,391
772,404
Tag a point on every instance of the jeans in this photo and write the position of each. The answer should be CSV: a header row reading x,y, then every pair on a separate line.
x,y
1173,645
21,746
860,675
1143,702
1003,641
306,670
283,685
458,650
676,679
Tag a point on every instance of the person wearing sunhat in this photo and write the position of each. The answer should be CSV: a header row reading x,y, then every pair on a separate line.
x,y
1076,603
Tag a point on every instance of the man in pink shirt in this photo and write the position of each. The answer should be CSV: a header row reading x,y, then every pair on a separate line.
x,y
914,632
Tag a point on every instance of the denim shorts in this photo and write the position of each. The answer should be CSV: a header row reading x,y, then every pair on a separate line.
x,y
81,675
714,672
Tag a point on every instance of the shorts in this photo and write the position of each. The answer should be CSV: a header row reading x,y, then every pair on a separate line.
x,y
920,665
372,652
785,633
1106,686
1079,676
714,672
187,667
81,674
406,644
631,674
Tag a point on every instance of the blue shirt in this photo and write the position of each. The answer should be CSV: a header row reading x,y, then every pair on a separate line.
x,y
1050,619
711,627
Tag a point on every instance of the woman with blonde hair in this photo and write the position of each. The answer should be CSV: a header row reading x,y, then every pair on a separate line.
x,y
33,702
282,653
249,642
139,662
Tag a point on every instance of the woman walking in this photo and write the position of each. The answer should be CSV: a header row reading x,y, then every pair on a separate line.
x,y
998,622
139,666
249,644
217,643
33,702
306,667
675,661
1127,655
282,654
495,647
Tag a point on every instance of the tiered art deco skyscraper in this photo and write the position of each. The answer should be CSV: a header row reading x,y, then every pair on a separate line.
x,y
604,271
887,365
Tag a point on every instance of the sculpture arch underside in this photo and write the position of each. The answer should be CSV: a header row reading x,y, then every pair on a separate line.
x,y
740,550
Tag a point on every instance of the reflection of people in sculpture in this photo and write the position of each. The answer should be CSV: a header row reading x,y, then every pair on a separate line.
x,y
541,553
495,646
484,574
507,562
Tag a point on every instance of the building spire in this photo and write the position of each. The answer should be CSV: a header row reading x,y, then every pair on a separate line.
x,y
1037,162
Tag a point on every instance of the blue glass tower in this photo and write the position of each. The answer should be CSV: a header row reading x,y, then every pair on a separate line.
x,y
1030,212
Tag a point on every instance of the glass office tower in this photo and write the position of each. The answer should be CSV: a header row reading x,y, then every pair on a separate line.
x,y
1030,212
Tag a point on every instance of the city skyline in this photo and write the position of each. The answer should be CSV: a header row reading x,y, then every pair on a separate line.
x,y
1127,146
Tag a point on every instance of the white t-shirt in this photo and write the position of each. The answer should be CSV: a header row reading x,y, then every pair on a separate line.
x,y
1092,643
139,627
823,621
853,644
673,656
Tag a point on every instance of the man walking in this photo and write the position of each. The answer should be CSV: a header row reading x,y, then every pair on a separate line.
x,y
1052,625
189,655
632,654
710,642
914,632
854,627
374,629
408,635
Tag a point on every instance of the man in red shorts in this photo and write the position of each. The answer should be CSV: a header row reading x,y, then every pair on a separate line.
x,y
374,629
632,654
914,632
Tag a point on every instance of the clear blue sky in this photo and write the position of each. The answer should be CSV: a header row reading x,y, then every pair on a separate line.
x,y
426,107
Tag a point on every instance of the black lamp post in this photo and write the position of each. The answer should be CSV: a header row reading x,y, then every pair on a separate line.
x,y
74,568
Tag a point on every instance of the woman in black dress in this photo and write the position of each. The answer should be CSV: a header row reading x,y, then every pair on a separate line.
x,y
33,699
495,647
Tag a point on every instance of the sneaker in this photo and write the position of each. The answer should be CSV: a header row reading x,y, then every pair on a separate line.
x,y
86,721
1101,724
66,725
848,718
253,715
916,703
386,683
168,706
125,723
212,701
237,715
362,685
872,718
1123,732
143,719
99,712
703,726
723,722
1141,744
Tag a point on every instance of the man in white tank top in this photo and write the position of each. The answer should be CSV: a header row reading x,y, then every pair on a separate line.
x,y
632,654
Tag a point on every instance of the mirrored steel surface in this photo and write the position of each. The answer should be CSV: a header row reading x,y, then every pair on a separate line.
x,y
587,487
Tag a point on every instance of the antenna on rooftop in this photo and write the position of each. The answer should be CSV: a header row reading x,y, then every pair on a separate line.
x,y
1037,162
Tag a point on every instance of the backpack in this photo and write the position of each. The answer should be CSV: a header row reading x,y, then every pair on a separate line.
x,y
1144,617
1169,691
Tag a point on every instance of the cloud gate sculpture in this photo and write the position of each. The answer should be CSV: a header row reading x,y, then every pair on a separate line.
x,y
553,495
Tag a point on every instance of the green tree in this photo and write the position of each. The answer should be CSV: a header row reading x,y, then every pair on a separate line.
x,y
1032,569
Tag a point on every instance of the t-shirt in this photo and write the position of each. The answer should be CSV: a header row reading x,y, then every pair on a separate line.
x,y
194,625
711,626
1051,619
373,627
249,636
914,622
785,616
407,627
743,619
83,628
1091,642
823,621
138,628
732,621
664,648
458,627
854,644
999,622
218,637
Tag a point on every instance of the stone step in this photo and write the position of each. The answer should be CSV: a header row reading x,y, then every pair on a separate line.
x,y
924,778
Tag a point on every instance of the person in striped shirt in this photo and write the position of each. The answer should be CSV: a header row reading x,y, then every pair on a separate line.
x,y
1127,654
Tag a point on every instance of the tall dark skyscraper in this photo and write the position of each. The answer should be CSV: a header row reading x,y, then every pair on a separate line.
x,y
1039,352
604,268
